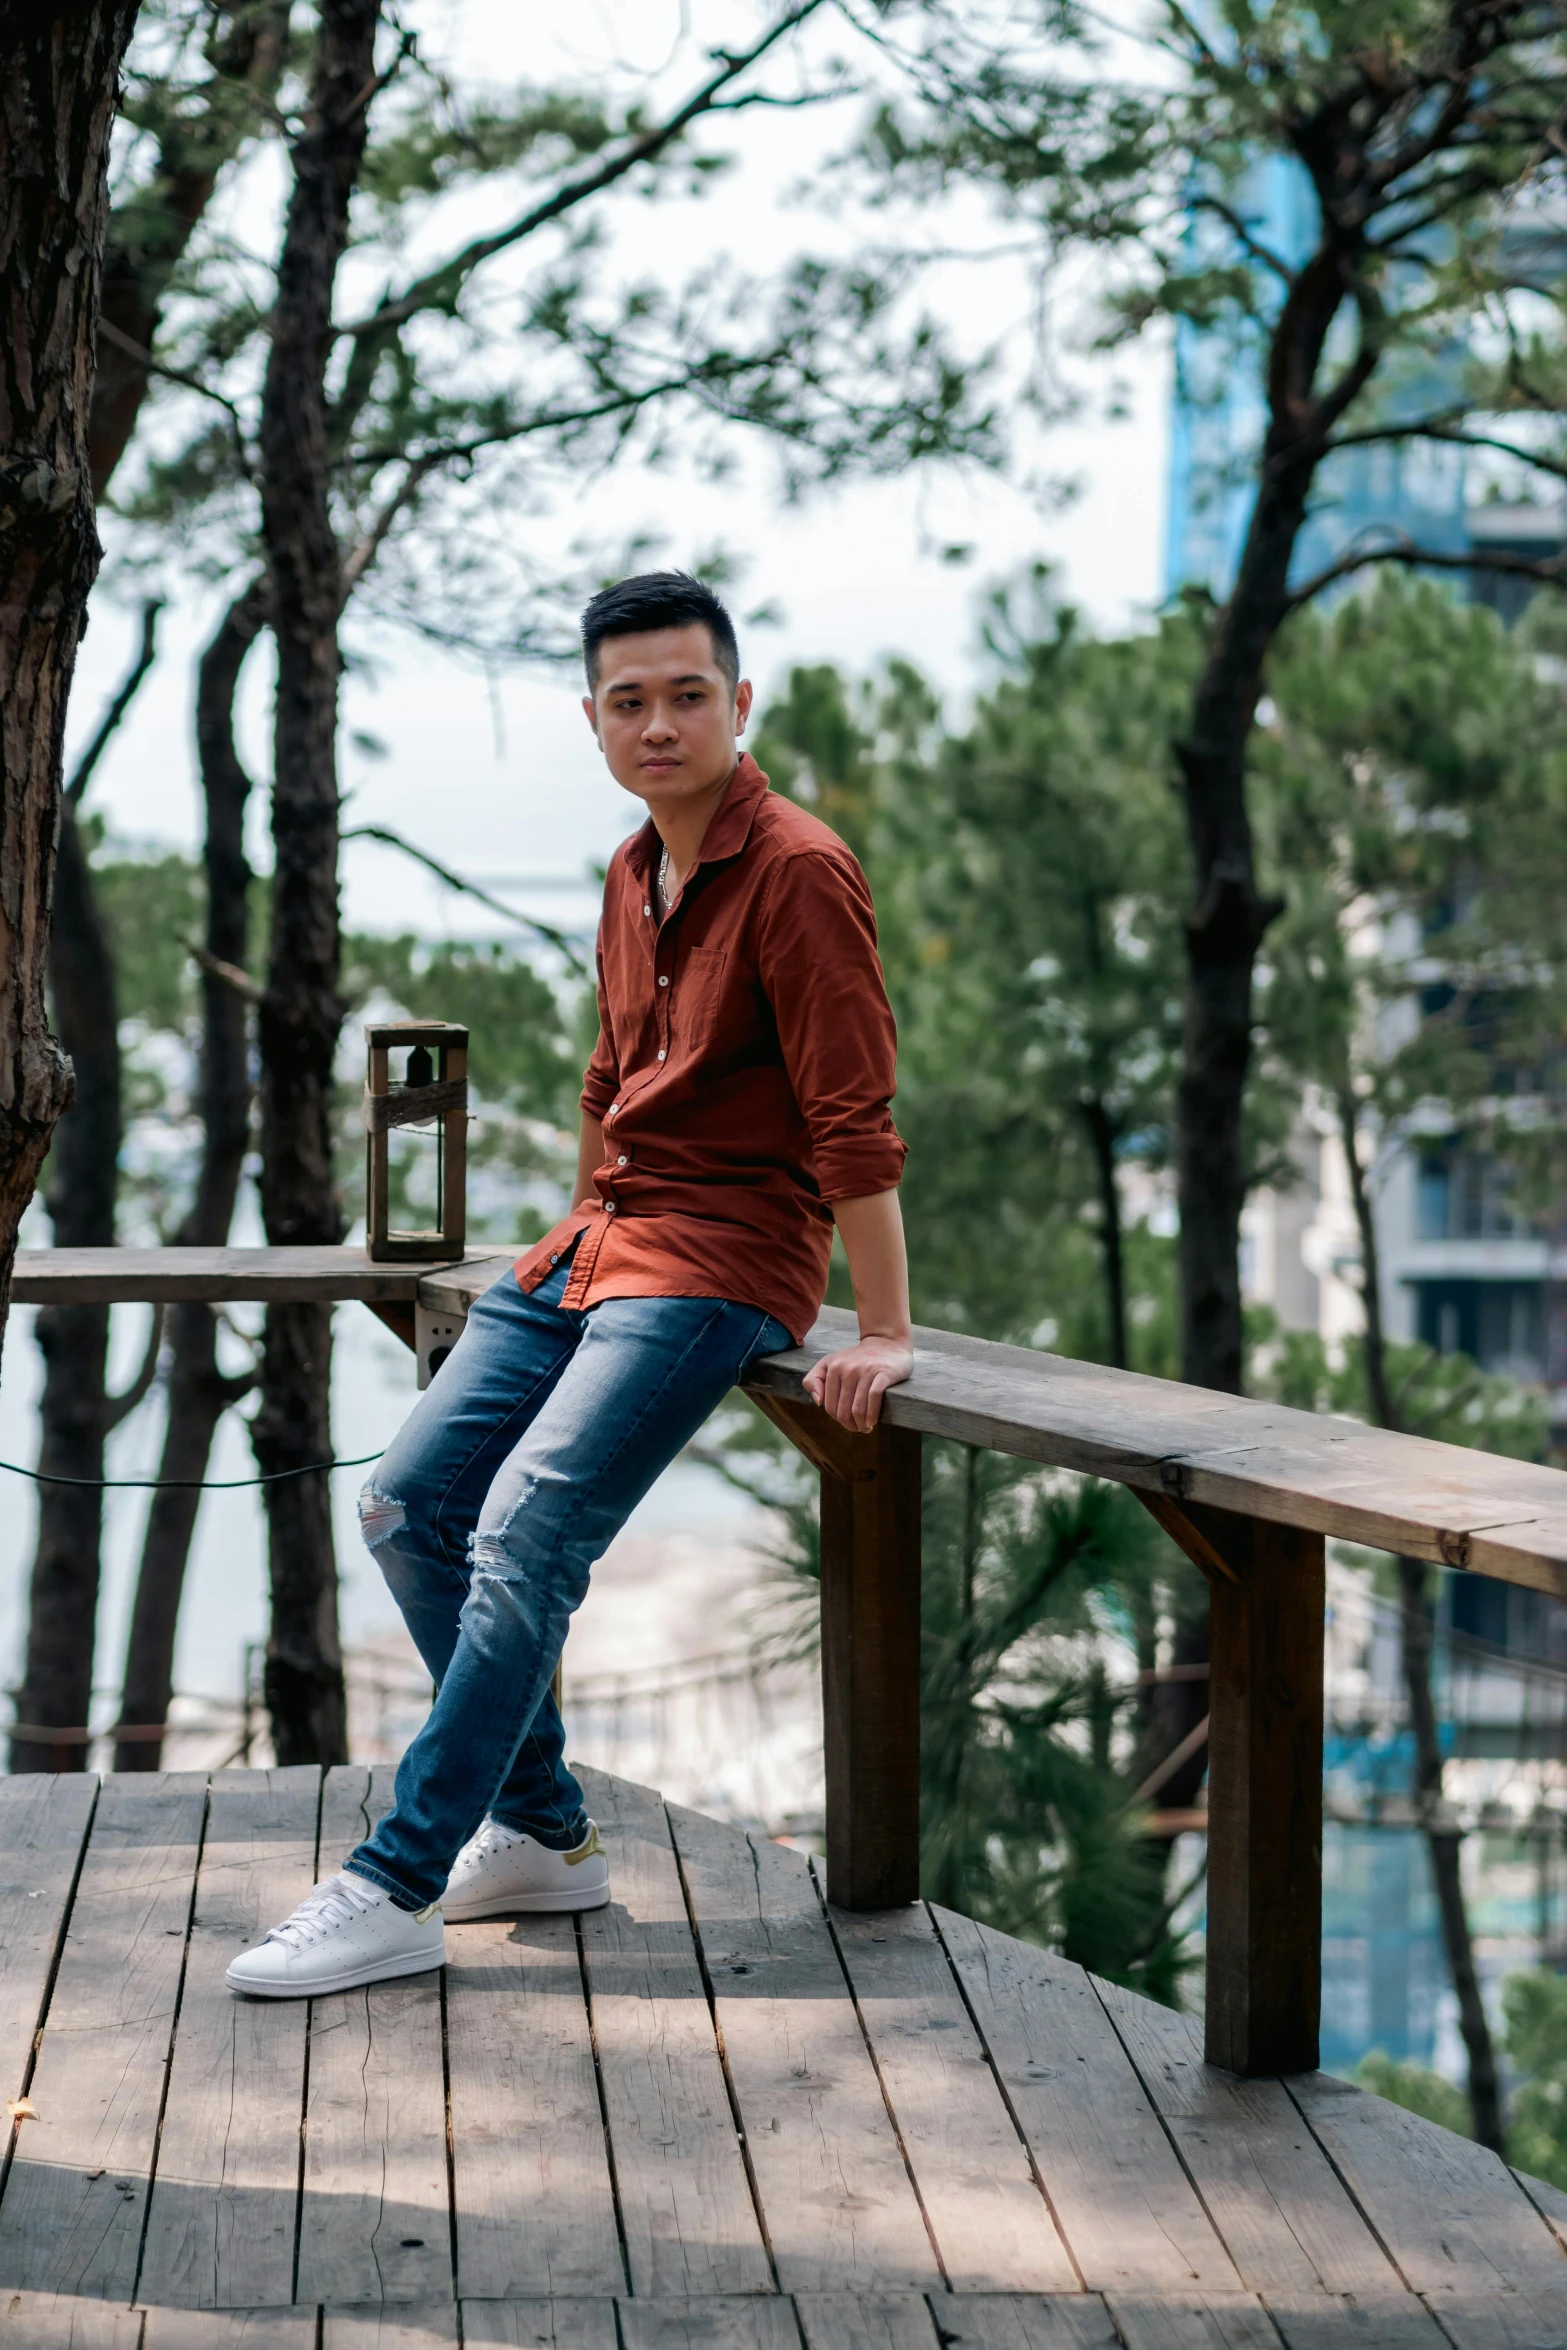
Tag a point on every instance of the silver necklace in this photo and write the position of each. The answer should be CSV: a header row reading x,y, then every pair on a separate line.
x,y
663,878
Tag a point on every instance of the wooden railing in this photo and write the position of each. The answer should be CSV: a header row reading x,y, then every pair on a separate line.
x,y
1248,1490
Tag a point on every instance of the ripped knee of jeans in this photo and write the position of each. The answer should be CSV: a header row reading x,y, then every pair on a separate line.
x,y
380,1517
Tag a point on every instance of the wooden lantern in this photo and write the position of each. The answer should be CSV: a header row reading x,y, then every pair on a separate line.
x,y
435,1089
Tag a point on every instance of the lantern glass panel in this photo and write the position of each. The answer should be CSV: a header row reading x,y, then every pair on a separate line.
x,y
416,1165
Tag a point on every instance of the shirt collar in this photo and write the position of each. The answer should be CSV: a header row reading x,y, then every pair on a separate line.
x,y
729,827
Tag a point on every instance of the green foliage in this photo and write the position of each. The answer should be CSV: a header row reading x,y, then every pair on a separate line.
x,y
1441,1396
1535,2006
152,905
1416,2090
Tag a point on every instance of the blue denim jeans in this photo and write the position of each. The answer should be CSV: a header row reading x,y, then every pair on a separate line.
x,y
519,1464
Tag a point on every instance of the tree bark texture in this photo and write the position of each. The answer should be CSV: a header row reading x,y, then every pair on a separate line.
x,y
1444,1841
302,1010
149,234
56,1687
59,77
198,1391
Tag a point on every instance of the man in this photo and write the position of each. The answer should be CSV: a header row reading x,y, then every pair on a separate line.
x,y
735,1109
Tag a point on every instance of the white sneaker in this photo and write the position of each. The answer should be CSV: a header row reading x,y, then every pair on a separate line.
x,y
347,1931
501,1871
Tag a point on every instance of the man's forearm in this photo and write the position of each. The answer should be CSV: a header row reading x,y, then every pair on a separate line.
x,y
872,1234
851,1382
590,1157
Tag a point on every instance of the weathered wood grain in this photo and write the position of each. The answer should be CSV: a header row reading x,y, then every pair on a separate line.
x,y
754,2323
1354,2321
1404,1493
230,2329
1549,2201
43,1821
433,2327
685,2202
1274,2197
866,2321
220,2234
71,2218
561,2324
1123,2203
841,2214
1193,2321
535,2207
1497,2321
375,2220
1451,2213
1027,2321
66,2321
171,1276
991,2223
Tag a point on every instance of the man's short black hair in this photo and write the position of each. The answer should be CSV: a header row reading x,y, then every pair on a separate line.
x,y
658,599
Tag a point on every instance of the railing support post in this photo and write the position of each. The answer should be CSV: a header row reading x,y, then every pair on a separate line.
x,y
1268,1590
870,1562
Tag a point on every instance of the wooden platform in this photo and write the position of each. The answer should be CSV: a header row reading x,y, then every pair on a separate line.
x,y
718,2116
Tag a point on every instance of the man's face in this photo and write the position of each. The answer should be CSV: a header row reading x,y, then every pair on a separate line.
x,y
665,718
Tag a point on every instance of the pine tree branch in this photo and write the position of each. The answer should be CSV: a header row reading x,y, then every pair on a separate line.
x,y
470,889
120,1407
439,285
146,654
1550,571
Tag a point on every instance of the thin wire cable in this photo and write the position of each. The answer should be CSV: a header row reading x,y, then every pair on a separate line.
x,y
189,1484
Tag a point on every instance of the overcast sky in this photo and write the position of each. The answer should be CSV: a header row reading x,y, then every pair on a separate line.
x,y
501,777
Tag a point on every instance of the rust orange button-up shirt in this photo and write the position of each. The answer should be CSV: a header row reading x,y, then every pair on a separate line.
x,y
743,1072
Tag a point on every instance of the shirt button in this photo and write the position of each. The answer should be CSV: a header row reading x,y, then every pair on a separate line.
x,y
609,1207
621,1162
661,1056
647,909
555,1260
663,982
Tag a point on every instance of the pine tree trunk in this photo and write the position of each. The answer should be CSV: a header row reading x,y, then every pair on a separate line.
x,y
198,1392
1444,1842
302,1010
59,76
1101,1137
56,1690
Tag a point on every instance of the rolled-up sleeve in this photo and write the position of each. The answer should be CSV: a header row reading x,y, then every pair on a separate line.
x,y
601,1078
823,977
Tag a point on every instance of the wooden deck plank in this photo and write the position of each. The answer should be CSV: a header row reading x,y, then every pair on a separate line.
x,y
867,2321
535,2203
71,2217
704,2323
1286,2220
1127,2209
1354,2321
991,2223
685,2202
375,2221
66,2321
230,2329
558,2324
1193,2321
1026,2321
1402,1493
43,1823
1500,2321
840,2212
225,2198
1451,2213
1549,2201
433,2327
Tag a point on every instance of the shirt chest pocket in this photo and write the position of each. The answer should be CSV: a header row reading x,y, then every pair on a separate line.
x,y
699,993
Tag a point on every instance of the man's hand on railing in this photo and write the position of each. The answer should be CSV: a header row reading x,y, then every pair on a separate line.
x,y
851,1383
